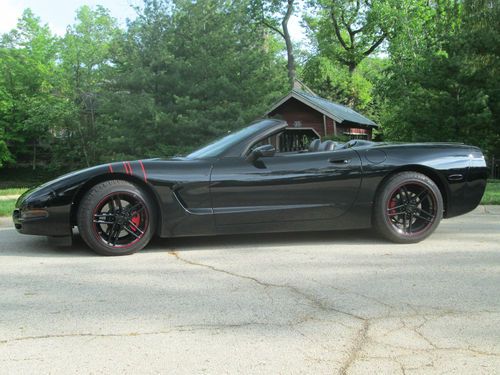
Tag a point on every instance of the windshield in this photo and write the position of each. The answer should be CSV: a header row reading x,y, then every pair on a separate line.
x,y
216,148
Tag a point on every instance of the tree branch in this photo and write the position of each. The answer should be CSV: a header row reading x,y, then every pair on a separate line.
x,y
348,28
272,27
375,45
354,32
337,30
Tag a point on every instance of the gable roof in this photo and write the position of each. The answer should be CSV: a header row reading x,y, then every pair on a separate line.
x,y
333,110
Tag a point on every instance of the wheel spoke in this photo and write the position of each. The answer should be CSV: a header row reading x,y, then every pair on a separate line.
x,y
114,234
136,209
410,223
427,213
396,207
103,222
406,193
396,213
423,218
109,232
117,234
118,201
131,231
135,227
421,196
404,223
109,229
105,214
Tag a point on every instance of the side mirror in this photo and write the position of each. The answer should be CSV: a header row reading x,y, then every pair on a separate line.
x,y
261,151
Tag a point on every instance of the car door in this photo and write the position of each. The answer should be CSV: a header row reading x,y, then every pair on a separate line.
x,y
284,187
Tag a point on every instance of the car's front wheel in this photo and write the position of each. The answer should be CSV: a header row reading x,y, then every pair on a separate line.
x,y
116,218
408,208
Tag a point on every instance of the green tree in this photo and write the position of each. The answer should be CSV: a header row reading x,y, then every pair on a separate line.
x,y
443,80
27,89
86,62
346,35
188,72
351,30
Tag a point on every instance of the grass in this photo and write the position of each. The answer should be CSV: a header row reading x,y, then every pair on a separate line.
x,y
6,207
492,194
12,191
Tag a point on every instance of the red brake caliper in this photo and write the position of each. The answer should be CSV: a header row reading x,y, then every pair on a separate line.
x,y
136,220
392,203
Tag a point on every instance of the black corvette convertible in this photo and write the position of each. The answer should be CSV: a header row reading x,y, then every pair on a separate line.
x,y
242,184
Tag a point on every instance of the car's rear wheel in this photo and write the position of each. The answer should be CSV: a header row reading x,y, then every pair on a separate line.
x,y
116,218
408,208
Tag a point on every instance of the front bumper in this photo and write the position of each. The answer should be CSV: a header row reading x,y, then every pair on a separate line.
x,y
31,218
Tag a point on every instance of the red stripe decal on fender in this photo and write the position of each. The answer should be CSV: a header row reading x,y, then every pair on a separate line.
x,y
110,168
130,167
125,166
143,171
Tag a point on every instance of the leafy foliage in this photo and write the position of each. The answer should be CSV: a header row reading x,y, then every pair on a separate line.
x,y
446,87
183,72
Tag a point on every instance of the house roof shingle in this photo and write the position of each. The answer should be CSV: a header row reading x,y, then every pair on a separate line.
x,y
336,111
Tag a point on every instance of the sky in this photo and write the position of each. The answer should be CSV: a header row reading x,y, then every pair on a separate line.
x,y
60,13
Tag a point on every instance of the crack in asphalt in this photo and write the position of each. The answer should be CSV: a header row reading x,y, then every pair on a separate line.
x,y
313,300
352,354
183,328
347,291
359,342
362,336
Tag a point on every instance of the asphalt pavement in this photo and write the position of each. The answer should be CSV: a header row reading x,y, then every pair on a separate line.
x,y
308,303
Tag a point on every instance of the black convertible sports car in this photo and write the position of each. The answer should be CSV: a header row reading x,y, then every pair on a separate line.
x,y
241,184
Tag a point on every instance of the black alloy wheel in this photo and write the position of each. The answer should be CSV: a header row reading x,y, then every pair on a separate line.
x,y
116,218
408,208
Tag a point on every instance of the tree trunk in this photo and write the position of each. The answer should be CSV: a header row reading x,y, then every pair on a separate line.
x,y
352,67
34,154
289,44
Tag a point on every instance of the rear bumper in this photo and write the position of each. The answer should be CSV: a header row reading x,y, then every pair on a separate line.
x,y
467,195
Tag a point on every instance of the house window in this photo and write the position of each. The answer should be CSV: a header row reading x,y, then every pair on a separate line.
x,y
356,133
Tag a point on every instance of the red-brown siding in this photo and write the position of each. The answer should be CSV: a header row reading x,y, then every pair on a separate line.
x,y
330,126
295,112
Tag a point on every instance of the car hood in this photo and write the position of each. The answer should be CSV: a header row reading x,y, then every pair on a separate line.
x,y
67,183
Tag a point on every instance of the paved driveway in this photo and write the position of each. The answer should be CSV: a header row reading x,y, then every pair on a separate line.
x,y
316,303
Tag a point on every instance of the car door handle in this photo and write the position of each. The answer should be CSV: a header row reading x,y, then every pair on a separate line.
x,y
339,161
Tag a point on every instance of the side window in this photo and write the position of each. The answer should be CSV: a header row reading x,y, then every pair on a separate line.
x,y
272,140
289,141
297,139
262,142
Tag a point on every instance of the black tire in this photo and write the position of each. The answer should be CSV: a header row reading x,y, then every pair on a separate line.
x,y
408,208
116,217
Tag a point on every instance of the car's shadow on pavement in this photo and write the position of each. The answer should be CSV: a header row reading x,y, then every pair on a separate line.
x,y
20,245
248,241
